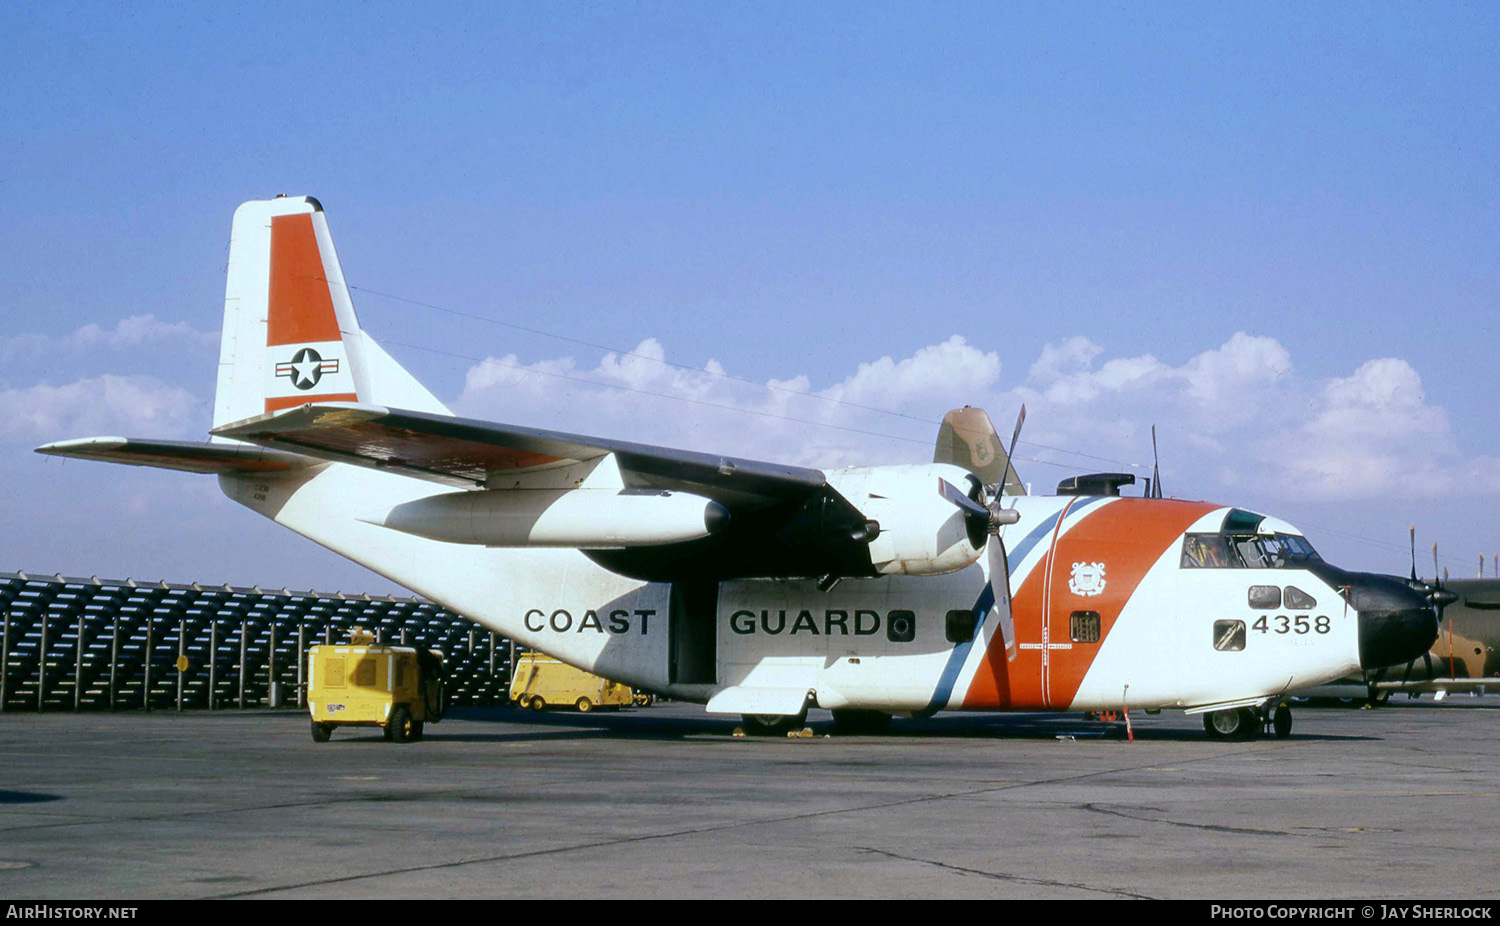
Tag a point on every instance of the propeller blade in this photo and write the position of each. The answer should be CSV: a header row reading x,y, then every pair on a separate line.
x,y
1000,586
1010,455
970,507
1413,553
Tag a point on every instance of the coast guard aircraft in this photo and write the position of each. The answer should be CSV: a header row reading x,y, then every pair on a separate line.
x,y
756,588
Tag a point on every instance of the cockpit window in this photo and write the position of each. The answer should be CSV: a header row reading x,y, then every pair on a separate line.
x,y
1246,551
1208,551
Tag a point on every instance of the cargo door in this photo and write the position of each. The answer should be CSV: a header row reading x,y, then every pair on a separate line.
x,y
692,633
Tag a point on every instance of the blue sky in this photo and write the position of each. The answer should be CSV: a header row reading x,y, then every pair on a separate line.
x,y
1271,231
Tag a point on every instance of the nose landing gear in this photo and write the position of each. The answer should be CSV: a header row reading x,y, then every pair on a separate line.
x,y
1281,721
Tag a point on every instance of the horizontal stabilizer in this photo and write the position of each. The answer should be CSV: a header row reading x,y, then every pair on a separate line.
x,y
463,451
186,456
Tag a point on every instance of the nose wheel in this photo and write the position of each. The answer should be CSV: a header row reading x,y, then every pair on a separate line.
x,y
1281,721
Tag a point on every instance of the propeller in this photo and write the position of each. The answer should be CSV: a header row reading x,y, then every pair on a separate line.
x,y
1436,595
1439,596
1414,582
991,516
983,521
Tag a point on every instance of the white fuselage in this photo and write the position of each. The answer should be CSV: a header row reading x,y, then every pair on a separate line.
x,y
1102,614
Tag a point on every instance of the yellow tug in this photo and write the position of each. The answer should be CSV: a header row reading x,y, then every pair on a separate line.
x,y
365,684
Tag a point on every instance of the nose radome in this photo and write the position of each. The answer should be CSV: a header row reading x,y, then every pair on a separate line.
x,y
1396,623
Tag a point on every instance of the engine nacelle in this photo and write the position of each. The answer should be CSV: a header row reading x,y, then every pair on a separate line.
x,y
583,518
921,533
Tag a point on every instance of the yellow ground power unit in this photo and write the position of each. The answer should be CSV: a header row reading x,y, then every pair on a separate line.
x,y
397,688
540,682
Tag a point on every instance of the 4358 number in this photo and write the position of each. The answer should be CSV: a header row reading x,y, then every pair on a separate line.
x,y
1300,623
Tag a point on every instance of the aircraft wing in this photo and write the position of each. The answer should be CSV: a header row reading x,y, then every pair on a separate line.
x,y
786,521
184,456
463,451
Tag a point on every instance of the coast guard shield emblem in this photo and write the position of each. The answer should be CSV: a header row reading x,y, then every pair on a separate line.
x,y
1087,579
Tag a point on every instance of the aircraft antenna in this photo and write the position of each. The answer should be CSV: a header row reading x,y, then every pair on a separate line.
x,y
1155,465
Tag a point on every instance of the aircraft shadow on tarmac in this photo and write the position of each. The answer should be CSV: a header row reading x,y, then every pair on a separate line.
x,y
27,797
641,725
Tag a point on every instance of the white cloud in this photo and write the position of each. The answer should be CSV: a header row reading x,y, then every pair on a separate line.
x,y
1232,419
141,406
1243,364
1372,433
1066,356
936,372
128,332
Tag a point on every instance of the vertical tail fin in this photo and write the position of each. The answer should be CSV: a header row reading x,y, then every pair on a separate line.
x,y
968,439
290,333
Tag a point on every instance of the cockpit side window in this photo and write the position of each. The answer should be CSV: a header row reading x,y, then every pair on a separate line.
x,y
1246,551
1209,551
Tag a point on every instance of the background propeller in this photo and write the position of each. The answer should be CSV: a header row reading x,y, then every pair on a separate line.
x,y
1437,596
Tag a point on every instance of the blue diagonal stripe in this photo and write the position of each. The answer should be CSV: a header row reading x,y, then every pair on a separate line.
x,y
986,603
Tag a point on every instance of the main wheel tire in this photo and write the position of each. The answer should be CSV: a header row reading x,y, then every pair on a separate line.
x,y
537,703
1231,724
773,724
1281,721
850,720
398,728
321,732
584,705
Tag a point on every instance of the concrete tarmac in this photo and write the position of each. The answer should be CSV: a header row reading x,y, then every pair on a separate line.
x,y
663,802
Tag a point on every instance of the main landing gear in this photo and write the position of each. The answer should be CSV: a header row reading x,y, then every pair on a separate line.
x,y
773,724
1245,723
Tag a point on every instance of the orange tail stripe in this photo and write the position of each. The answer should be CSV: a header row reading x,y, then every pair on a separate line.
x,y
290,401
301,311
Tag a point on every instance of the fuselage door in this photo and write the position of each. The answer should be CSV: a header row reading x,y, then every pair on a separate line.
x,y
692,633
